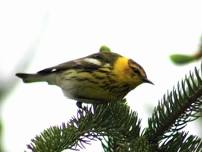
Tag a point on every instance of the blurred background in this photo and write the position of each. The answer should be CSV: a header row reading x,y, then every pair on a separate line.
x,y
42,33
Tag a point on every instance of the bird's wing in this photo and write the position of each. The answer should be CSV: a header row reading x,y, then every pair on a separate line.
x,y
84,64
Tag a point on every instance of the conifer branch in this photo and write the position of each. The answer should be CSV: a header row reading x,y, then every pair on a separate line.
x,y
183,143
178,107
115,120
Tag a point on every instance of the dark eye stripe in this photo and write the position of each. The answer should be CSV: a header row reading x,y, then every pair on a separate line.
x,y
140,69
135,70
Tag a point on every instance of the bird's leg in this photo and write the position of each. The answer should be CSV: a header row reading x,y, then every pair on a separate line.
x,y
79,104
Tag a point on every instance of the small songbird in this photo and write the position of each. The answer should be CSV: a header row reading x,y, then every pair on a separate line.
x,y
98,78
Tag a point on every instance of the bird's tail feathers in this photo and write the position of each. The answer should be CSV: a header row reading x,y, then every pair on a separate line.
x,y
28,78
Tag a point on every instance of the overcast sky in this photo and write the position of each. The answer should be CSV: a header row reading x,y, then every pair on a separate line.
x,y
58,31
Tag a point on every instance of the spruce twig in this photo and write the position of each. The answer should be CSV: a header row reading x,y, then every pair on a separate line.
x,y
182,142
176,109
89,125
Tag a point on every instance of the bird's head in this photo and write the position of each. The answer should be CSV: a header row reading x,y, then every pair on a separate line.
x,y
130,72
137,73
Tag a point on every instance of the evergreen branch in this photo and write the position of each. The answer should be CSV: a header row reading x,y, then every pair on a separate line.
x,y
115,120
183,143
178,107
139,144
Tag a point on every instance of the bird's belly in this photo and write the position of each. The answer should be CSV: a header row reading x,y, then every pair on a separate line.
x,y
88,92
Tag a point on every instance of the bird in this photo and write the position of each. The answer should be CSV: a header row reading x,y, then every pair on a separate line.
x,y
99,78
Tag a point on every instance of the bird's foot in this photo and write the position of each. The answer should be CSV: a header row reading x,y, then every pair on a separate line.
x,y
79,104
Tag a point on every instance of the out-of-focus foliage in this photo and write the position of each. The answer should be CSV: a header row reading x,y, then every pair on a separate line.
x,y
104,48
181,59
7,86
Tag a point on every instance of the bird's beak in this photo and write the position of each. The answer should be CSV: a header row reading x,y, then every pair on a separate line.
x,y
147,81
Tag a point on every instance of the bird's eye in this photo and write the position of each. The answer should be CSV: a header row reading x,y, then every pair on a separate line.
x,y
136,71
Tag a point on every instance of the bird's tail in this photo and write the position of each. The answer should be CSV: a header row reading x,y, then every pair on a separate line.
x,y
28,78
